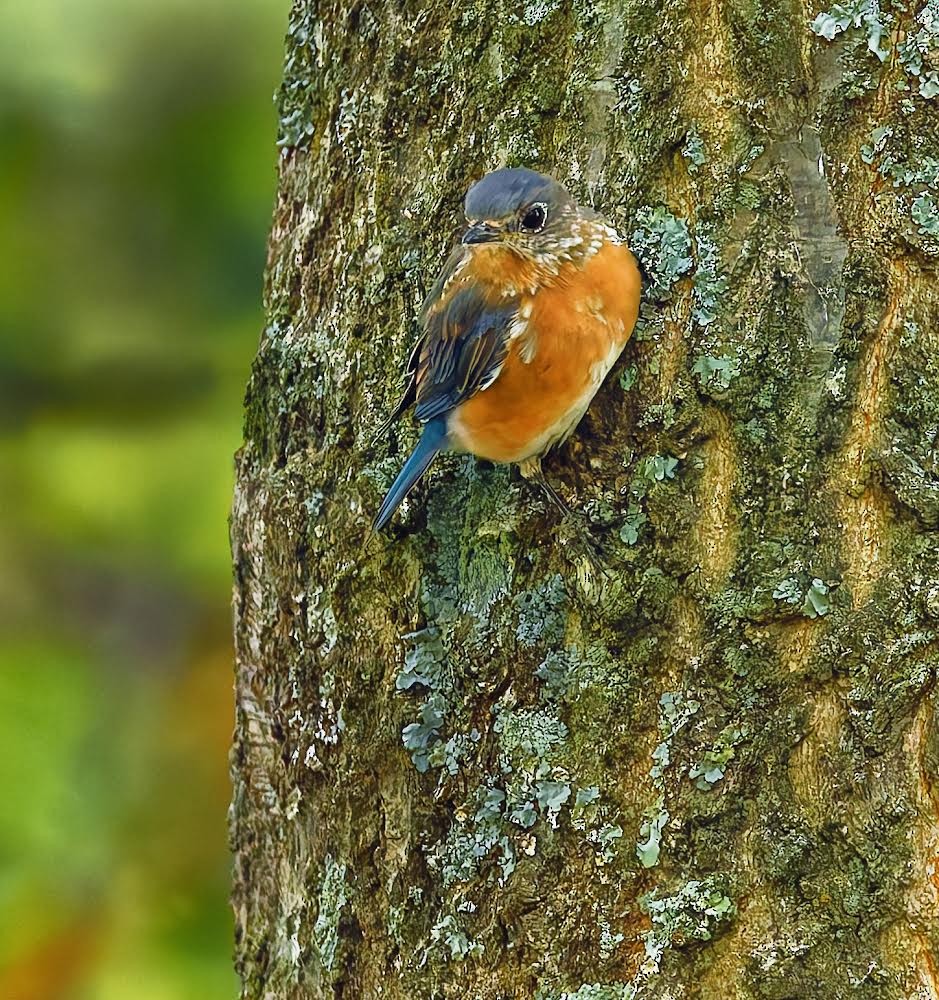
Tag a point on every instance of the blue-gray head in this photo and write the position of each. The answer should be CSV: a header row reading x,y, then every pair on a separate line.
x,y
522,208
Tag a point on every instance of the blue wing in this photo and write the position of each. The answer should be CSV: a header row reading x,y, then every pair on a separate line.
x,y
461,350
464,343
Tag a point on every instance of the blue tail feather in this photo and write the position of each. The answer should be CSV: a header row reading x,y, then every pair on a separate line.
x,y
433,439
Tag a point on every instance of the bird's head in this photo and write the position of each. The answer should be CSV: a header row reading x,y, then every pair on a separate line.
x,y
525,212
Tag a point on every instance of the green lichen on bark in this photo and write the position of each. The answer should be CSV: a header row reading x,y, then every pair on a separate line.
x,y
466,766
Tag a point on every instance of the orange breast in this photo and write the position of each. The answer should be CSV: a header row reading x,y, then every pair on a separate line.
x,y
578,326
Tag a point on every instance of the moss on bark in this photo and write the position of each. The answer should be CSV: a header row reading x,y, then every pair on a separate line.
x,y
464,766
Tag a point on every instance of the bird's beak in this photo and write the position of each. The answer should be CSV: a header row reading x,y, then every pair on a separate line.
x,y
481,232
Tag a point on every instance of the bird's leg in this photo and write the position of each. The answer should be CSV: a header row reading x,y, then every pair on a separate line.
x,y
532,472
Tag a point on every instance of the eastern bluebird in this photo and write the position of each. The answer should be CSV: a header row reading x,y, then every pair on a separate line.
x,y
526,318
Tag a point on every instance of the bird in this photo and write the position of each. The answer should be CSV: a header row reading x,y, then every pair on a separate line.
x,y
527,316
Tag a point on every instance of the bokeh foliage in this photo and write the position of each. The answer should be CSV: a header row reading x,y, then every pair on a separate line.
x,y
136,181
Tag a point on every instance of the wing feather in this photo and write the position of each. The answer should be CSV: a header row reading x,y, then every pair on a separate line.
x,y
463,344
465,338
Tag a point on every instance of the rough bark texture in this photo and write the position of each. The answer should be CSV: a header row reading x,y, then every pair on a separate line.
x,y
464,766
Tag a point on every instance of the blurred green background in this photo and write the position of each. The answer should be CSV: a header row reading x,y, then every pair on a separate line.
x,y
136,184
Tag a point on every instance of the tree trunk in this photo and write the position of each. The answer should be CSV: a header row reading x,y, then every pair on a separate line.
x,y
466,765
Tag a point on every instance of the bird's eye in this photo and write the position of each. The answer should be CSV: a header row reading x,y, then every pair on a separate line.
x,y
535,217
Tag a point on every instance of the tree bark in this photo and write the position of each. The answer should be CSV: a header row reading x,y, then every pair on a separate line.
x,y
465,765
